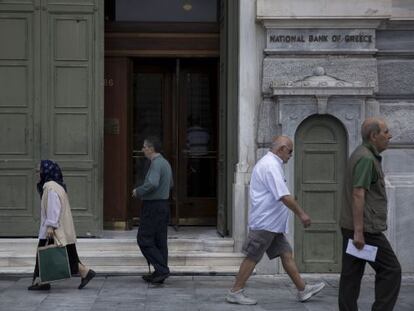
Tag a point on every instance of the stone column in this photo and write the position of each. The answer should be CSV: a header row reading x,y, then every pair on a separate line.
x,y
250,57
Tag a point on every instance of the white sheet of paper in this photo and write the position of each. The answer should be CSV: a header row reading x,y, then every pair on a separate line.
x,y
368,252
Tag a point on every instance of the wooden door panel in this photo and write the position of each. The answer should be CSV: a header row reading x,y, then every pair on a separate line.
x,y
72,130
50,103
20,107
319,166
320,156
116,144
320,249
323,205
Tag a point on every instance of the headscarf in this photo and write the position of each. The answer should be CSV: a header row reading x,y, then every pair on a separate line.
x,y
49,171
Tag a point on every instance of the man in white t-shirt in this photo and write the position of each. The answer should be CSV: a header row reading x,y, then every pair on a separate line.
x,y
268,223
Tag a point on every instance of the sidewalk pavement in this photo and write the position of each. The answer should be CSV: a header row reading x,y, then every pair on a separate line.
x,y
183,293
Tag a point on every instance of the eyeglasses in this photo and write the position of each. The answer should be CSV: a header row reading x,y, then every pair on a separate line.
x,y
290,151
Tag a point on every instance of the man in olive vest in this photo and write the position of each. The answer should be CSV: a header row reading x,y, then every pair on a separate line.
x,y
155,213
363,220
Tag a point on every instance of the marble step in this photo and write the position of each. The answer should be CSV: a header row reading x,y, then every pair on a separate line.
x,y
122,255
131,258
217,245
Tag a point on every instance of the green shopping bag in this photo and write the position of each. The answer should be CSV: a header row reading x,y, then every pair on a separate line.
x,y
53,263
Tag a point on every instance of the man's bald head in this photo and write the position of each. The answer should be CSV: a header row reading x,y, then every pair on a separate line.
x,y
282,146
371,126
280,141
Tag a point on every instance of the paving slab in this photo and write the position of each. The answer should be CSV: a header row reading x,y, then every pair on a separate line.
x,y
183,293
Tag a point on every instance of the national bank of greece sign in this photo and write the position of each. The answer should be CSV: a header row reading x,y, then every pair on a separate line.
x,y
320,40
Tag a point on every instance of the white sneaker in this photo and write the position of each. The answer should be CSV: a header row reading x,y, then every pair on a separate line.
x,y
309,291
240,298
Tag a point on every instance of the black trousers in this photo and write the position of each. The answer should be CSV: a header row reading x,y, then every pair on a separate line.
x,y
387,277
72,255
152,234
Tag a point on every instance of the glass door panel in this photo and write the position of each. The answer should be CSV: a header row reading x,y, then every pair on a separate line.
x,y
151,112
147,118
200,148
198,143
176,101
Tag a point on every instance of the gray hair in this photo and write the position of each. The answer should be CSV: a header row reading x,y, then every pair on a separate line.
x,y
370,126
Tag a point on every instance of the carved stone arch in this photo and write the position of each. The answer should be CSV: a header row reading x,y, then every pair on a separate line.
x,y
322,93
327,116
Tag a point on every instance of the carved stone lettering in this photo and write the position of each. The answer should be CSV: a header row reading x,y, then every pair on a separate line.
x,y
317,40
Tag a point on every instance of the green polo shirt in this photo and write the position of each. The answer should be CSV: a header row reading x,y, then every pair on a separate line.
x,y
158,181
365,173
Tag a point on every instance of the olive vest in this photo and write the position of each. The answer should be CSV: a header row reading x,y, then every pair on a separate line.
x,y
375,207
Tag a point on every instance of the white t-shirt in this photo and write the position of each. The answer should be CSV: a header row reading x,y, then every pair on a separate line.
x,y
267,186
51,218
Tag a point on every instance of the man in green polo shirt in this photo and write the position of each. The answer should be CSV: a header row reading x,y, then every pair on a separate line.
x,y
155,213
363,220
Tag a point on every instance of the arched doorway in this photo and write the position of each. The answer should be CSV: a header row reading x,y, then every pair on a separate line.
x,y
320,160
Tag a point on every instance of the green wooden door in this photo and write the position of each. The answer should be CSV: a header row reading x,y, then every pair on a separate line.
x,y
19,110
320,156
51,106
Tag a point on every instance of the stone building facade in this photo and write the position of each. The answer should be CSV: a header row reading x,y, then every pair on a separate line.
x,y
315,73
312,70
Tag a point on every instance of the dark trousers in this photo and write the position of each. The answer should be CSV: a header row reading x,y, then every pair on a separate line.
x,y
152,234
72,255
387,277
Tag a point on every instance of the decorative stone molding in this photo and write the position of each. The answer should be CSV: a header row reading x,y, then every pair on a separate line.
x,y
297,10
348,69
322,86
322,23
322,104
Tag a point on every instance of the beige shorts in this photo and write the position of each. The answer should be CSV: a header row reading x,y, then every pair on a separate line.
x,y
260,241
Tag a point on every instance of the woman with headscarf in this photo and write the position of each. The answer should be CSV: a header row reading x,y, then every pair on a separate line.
x,y
56,222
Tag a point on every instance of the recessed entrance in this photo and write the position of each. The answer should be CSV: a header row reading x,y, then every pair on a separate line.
x,y
175,100
162,79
